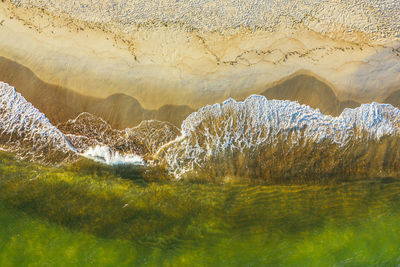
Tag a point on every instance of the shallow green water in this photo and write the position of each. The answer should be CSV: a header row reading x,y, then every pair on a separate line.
x,y
89,216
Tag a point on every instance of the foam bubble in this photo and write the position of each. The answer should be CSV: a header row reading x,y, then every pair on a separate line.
x,y
105,155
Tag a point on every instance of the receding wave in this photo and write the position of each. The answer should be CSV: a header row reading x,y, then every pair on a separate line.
x,y
27,132
106,155
279,140
93,137
272,140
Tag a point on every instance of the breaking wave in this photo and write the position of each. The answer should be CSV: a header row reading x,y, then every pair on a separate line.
x,y
27,132
106,155
273,139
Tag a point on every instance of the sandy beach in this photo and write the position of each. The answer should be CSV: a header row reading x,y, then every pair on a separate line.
x,y
177,65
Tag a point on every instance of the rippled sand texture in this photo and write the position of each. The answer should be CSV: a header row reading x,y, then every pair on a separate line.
x,y
187,54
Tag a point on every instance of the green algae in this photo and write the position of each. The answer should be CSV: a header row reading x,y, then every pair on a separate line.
x,y
93,215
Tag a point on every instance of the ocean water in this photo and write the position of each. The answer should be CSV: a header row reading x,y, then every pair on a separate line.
x,y
93,215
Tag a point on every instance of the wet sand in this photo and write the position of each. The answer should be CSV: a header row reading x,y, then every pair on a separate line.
x,y
121,111
60,103
309,90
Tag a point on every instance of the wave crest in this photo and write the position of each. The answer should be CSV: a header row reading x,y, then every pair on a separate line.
x,y
108,156
27,132
273,138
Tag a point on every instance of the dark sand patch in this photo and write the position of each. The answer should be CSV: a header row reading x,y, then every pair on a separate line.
x,y
61,104
121,111
394,99
309,90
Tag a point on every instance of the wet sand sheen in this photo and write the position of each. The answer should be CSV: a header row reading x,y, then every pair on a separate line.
x,y
120,110
60,104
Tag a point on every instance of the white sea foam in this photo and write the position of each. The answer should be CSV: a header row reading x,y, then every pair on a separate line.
x,y
210,133
105,155
27,131
239,126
